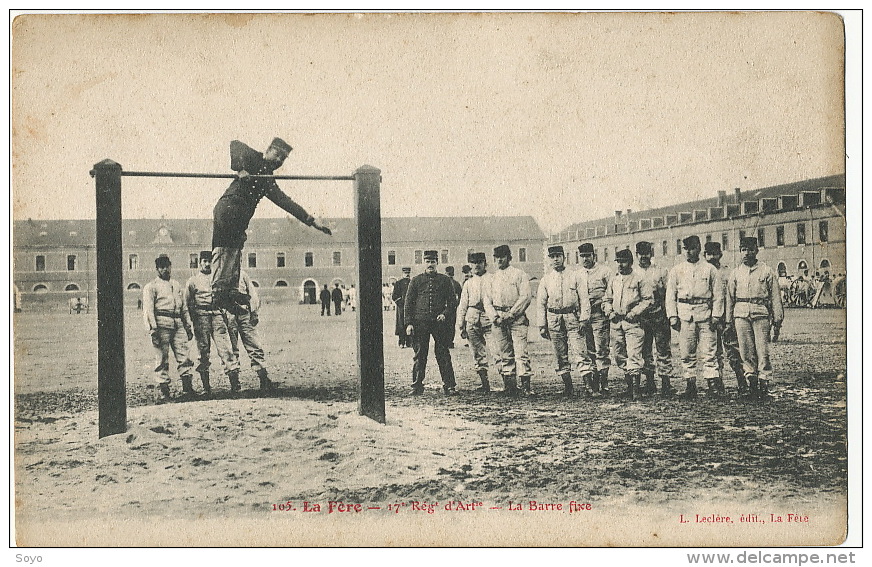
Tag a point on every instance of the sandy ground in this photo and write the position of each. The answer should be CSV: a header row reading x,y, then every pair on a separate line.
x,y
237,470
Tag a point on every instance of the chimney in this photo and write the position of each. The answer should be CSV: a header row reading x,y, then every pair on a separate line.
x,y
618,217
628,213
722,198
738,193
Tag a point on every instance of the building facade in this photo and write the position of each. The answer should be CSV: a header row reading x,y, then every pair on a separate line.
x,y
800,227
54,260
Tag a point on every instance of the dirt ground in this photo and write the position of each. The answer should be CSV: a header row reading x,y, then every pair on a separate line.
x,y
236,470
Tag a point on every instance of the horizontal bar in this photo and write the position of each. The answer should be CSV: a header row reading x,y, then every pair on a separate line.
x,y
233,176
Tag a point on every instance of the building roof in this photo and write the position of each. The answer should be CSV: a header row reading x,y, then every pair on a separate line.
x,y
795,188
286,231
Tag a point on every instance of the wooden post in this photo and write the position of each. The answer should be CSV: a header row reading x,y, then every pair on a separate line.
x,y
111,391
370,330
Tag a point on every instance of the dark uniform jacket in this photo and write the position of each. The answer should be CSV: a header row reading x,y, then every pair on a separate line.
x,y
336,295
324,296
428,296
401,286
236,207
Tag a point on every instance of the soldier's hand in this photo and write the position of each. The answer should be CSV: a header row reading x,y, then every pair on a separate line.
x,y
675,323
318,226
242,174
440,318
254,319
615,317
410,330
543,332
498,320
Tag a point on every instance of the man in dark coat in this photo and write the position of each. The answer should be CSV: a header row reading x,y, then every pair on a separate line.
x,y
324,296
429,302
399,297
458,288
337,297
235,208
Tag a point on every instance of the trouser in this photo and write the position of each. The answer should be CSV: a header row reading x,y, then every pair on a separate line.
x,y
728,348
697,340
566,335
226,265
479,331
337,306
240,327
511,341
596,333
163,341
325,306
213,326
627,346
753,335
658,338
423,330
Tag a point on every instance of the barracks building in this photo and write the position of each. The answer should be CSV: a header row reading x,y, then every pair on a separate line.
x,y
800,228
55,260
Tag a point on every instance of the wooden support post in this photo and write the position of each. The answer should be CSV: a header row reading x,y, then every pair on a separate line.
x,y
111,391
370,330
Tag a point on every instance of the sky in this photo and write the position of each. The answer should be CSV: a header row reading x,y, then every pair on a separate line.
x,y
565,117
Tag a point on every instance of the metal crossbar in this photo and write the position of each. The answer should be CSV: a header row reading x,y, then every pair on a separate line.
x,y
232,176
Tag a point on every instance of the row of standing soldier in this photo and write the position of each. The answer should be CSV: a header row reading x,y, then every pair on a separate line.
x,y
599,315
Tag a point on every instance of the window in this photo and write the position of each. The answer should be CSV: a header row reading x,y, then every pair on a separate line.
x,y
40,263
71,287
71,262
309,259
281,283
40,288
605,254
522,254
678,246
419,256
337,258
193,261
725,241
665,248
576,256
800,233
133,286
252,259
443,257
280,259
824,231
779,235
741,236
761,237
133,262
392,258
254,283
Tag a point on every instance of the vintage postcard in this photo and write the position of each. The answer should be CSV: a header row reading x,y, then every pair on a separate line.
x,y
622,320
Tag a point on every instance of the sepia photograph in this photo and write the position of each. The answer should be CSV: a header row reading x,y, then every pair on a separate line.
x,y
446,279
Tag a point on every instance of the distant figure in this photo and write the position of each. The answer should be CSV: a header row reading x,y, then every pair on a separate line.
x,y
336,295
324,296
352,298
399,297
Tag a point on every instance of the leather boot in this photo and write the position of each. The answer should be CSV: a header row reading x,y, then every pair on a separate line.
x,y
604,381
666,389
526,387
628,380
719,386
204,379
754,387
567,385
690,390
163,393
595,382
265,383
637,387
587,384
650,384
234,380
711,387
188,385
485,383
764,389
742,383
510,385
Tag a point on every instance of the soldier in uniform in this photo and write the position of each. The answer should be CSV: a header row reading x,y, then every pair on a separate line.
x,y
505,303
472,322
244,326
324,298
728,343
210,325
401,286
457,287
564,309
658,334
429,301
597,331
466,270
753,306
236,207
626,300
695,307
337,297
166,318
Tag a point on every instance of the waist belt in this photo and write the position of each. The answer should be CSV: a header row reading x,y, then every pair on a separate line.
x,y
754,300
206,310
501,308
563,311
694,301
163,313
596,304
478,306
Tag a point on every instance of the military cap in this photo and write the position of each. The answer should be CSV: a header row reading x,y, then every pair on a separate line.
x,y
162,261
477,258
712,247
644,248
624,254
502,251
281,144
586,248
691,242
449,270
466,269
431,255
206,255
555,250
748,242
407,270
